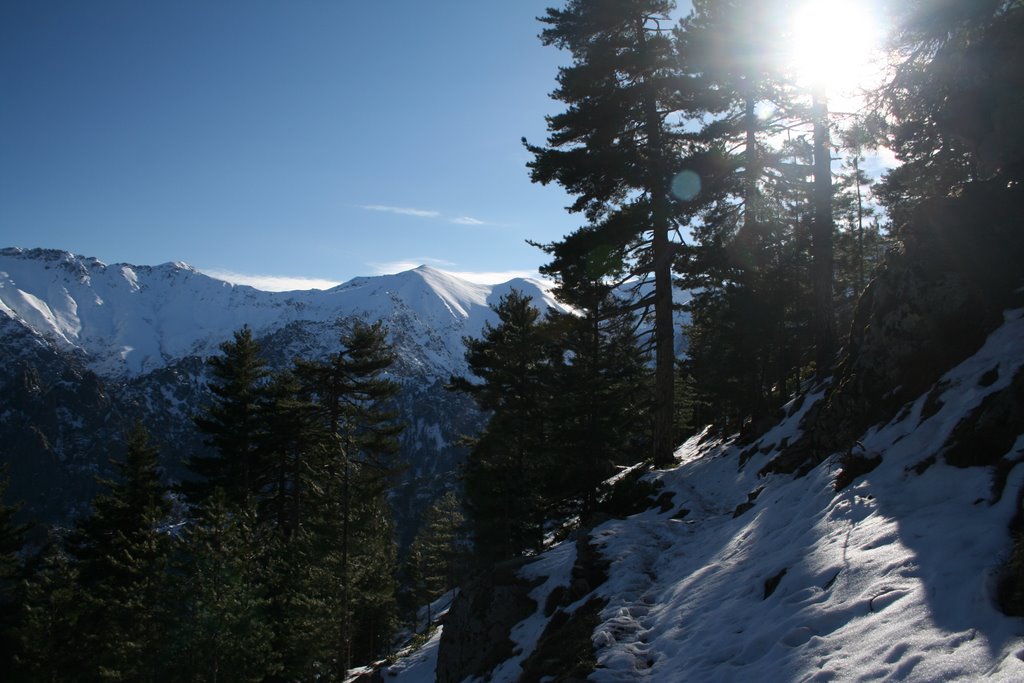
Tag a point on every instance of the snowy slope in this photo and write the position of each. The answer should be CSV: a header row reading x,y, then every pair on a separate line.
x,y
891,578
130,320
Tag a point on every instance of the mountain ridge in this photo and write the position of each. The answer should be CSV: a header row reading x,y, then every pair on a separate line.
x,y
130,319
91,347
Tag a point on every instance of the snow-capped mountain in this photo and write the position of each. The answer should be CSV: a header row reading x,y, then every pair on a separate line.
x,y
90,347
129,320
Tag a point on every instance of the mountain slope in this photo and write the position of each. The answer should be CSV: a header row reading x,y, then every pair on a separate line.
x,y
736,575
891,578
91,347
130,320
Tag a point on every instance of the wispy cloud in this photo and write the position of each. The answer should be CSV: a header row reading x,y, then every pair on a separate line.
x,y
404,211
272,283
422,213
468,220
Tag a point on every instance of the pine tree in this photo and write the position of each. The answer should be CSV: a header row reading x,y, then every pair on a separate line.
x,y
304,619
12,539
352,395
747,269
600,378
292,447
503,472
953,103
122,556
51,646
374,570
437,554
614,148
233,423
223,631
860,243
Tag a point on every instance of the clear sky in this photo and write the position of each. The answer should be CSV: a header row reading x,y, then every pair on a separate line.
x,y
317,138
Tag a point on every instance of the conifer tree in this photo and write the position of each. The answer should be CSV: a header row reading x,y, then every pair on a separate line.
x,y
616,150
859,240
748,268
122,557
602,411
12,539
223,631
503,472
51,646
232,424
374,570
291,447
437,553
352,395
953,102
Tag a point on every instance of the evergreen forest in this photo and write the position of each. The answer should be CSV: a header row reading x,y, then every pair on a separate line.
x,y
712,183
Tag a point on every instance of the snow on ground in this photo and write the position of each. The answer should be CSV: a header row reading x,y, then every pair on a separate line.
x,y
890,579
555,567
417,663
131,320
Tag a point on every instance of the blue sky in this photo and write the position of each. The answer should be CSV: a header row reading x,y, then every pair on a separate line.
x,y
322,139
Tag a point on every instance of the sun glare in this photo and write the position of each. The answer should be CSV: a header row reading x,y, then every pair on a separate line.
x,y
836,43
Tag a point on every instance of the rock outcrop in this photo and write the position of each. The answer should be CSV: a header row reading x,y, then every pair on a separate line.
x,y
932,305
477,630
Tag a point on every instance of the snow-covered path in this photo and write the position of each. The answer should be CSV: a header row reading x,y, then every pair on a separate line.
x,y
776,578
890,579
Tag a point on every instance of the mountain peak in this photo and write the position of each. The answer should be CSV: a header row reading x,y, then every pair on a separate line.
x,y
132,319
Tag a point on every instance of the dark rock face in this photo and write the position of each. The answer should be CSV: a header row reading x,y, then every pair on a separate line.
x,y
53,452
988,433
476,631
931,306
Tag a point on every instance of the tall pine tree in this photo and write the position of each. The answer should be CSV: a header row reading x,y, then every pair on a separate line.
x,y
616,149
503,472
353,398
122,555
232,423
223,631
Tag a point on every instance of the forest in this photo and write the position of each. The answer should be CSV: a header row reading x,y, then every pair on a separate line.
x,y
709,174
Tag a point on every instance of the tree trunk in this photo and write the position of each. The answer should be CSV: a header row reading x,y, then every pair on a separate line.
x,y
860,223
750,173
821,240
346,579
664,335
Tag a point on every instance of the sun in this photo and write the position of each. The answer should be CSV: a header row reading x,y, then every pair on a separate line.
x,y
836,44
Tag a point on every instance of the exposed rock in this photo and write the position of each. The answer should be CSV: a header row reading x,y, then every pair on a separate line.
x,y
565,651
749,503
476,630
476,636
988,433
772,582
854,465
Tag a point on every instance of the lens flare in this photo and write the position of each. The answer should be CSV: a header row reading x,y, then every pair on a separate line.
x,y
686,185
